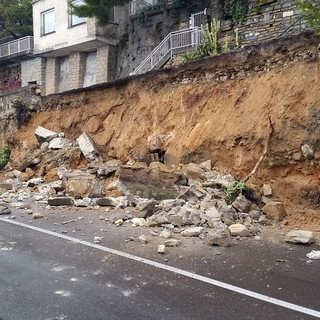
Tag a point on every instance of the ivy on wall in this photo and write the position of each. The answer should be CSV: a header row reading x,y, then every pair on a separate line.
x,y
236,10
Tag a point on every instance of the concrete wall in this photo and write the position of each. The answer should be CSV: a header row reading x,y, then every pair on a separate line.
x,y
64,35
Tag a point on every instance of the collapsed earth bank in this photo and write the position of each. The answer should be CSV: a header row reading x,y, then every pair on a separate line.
x,y
230,109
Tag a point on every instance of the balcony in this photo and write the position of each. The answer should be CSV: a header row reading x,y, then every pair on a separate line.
x,y
17,48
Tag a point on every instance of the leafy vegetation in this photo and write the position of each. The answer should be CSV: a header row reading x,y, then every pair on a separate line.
x,y
99,9
4,156
210,42
15,18
234,190
236,10
310,10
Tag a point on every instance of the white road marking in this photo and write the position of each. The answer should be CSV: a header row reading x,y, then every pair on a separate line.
x,y
188,274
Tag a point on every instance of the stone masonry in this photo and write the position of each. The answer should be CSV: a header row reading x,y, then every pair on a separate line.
x,y
33,70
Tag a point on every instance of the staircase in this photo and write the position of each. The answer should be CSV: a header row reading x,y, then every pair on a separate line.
x,y
174,43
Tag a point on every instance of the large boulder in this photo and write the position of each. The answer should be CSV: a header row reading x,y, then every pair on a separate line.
x,y
300,236
60,143
274,210
150,183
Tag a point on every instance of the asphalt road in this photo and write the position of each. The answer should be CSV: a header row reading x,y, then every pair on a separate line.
x,y
45,277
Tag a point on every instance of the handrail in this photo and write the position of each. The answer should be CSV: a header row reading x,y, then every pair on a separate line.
x,y
16,46
175,40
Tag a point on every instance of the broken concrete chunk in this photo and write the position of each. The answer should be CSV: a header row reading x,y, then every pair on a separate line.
x,y
88,148
60,201
238,229
274,210
192,232
43,134
219,236
108,168
145,208
300,236
60,143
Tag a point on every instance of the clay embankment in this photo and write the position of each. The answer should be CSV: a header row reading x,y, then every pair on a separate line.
x,y
218,108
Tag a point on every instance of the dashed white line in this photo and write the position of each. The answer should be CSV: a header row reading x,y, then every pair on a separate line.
x,y
188,274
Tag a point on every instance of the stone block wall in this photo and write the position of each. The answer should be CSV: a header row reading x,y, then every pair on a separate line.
x,y
52,75
33,70
105,64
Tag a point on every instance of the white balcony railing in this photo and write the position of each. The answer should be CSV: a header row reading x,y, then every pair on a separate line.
x,y
16,47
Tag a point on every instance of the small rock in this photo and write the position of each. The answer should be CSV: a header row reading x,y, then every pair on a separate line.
x,y
4,210
266,190
172,243
143,239
165,233
97,239
314,255
37,215
138,222
43,134
118,222
192,232
242,204
300,236
161,248
238,229
307,151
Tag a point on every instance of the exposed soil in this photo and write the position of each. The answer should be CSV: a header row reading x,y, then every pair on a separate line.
x,y
216,109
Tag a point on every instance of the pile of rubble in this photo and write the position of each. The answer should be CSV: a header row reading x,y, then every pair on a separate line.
x,y
190,199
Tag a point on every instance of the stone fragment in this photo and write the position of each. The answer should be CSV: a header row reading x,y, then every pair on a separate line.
x,y
194,171
145,208
274,210
165,233
118,222
206,165
307,151
43,134
85,202
60,201
161,248
7,186
34,182
143,239
219,236
238,229
266,190
60,143
156,220
138,222
88,148
300,236
242,204
29,164
37,215
192,231
314,255
4,210
108,168
255,214
172,243
156,142
97,239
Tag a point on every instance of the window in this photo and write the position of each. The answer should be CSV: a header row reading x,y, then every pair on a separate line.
x,y
74,20
48,19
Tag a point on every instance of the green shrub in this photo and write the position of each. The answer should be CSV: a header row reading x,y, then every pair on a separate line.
x,y
234,190
4,156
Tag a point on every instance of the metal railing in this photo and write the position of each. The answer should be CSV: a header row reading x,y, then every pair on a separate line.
x,y
18,46
174,42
